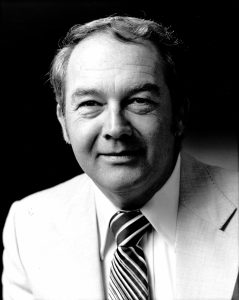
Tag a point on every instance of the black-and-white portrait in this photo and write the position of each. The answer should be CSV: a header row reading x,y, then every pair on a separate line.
x,y
120,159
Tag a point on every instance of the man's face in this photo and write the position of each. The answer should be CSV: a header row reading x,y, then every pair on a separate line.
x,y
118,117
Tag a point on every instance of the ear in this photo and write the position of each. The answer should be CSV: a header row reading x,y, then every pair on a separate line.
x,y
180,128
62,120
181,118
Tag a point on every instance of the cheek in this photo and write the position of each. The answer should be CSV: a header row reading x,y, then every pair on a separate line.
x,y
158,136
154,127
82,136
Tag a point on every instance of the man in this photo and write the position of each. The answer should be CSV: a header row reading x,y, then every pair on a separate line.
x,y
121,108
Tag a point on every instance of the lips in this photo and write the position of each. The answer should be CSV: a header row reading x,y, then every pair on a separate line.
x,y
122,153
124,156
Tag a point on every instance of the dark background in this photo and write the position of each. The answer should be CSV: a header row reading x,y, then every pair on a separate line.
x,y
34,153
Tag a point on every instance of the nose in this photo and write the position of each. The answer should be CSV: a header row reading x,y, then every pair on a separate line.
x,y
115,124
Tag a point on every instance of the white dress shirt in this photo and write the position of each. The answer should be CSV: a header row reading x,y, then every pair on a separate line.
x,y
158,244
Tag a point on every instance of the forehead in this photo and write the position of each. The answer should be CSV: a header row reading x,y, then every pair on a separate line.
x,y
102,51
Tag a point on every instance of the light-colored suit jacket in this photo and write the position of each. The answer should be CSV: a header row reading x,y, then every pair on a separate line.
x,y
52,247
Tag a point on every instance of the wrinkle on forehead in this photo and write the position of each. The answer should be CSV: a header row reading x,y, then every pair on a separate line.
x,y
114,76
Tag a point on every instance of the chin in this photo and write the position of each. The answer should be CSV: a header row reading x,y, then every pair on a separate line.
x,y
120,186
123,186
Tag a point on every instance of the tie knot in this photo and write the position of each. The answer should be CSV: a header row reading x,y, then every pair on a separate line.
x,y
128,227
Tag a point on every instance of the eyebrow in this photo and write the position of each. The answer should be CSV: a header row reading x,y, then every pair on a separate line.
x,y
146,87
79,92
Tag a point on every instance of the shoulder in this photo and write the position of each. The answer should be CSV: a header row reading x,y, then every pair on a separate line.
x,y
53,202
62,190
226,181
204,176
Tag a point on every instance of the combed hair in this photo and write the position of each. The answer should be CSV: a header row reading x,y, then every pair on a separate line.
x,y
126,29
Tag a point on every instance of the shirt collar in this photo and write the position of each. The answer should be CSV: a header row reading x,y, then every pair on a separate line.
x,y
105,209
160,210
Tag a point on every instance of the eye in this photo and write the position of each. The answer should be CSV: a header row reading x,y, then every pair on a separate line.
x,y
141,105
89,108
89,103
140,100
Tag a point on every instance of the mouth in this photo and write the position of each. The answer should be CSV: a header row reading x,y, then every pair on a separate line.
x,y
121,156
121,153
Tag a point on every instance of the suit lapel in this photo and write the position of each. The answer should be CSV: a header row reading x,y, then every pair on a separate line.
x,y
86,264
206,256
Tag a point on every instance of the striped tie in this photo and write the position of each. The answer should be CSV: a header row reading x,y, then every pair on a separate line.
x,y
128,273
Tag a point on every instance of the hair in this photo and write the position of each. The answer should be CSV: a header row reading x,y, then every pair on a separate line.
x,y
127,29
